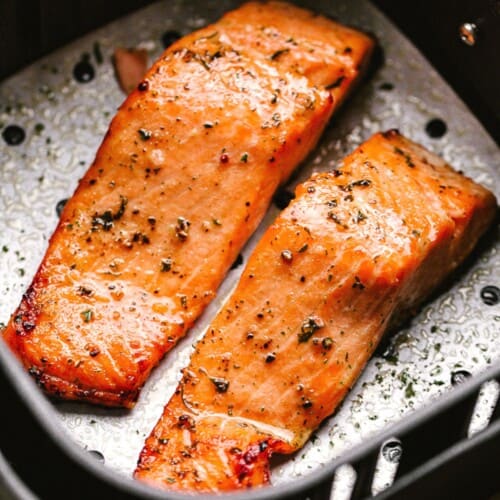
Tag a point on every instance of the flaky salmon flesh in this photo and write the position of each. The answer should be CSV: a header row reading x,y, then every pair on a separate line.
x,y
182,179
359,247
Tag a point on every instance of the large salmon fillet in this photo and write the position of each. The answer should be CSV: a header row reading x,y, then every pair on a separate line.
x,y
182,179
358,247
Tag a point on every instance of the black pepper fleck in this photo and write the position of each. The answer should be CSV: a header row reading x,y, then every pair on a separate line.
x,y
270,357
221,384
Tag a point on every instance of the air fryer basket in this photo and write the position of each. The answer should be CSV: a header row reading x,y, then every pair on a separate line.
x,y
398,416
438,459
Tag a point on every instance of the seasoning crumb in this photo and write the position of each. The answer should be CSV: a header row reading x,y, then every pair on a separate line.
x,y
270,357
287,256
166,265
182,228
221,384
87,315
144,134
309,326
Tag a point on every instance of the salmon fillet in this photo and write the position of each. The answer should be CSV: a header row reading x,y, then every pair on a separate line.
x,y
182,179
357,247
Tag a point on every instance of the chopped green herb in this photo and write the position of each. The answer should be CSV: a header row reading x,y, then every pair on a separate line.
x,y
410,391
360,216
327,343
39,128
105,220
97,53
184,300
244,157
87,315
309,326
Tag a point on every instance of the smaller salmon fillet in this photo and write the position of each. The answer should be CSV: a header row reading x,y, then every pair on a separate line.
x,y
357,248
182,179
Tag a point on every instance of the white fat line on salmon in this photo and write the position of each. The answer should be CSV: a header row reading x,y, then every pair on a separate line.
x,y
271,430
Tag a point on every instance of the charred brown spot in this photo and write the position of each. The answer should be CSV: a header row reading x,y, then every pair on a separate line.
x,y
247,461
26,318
36,373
